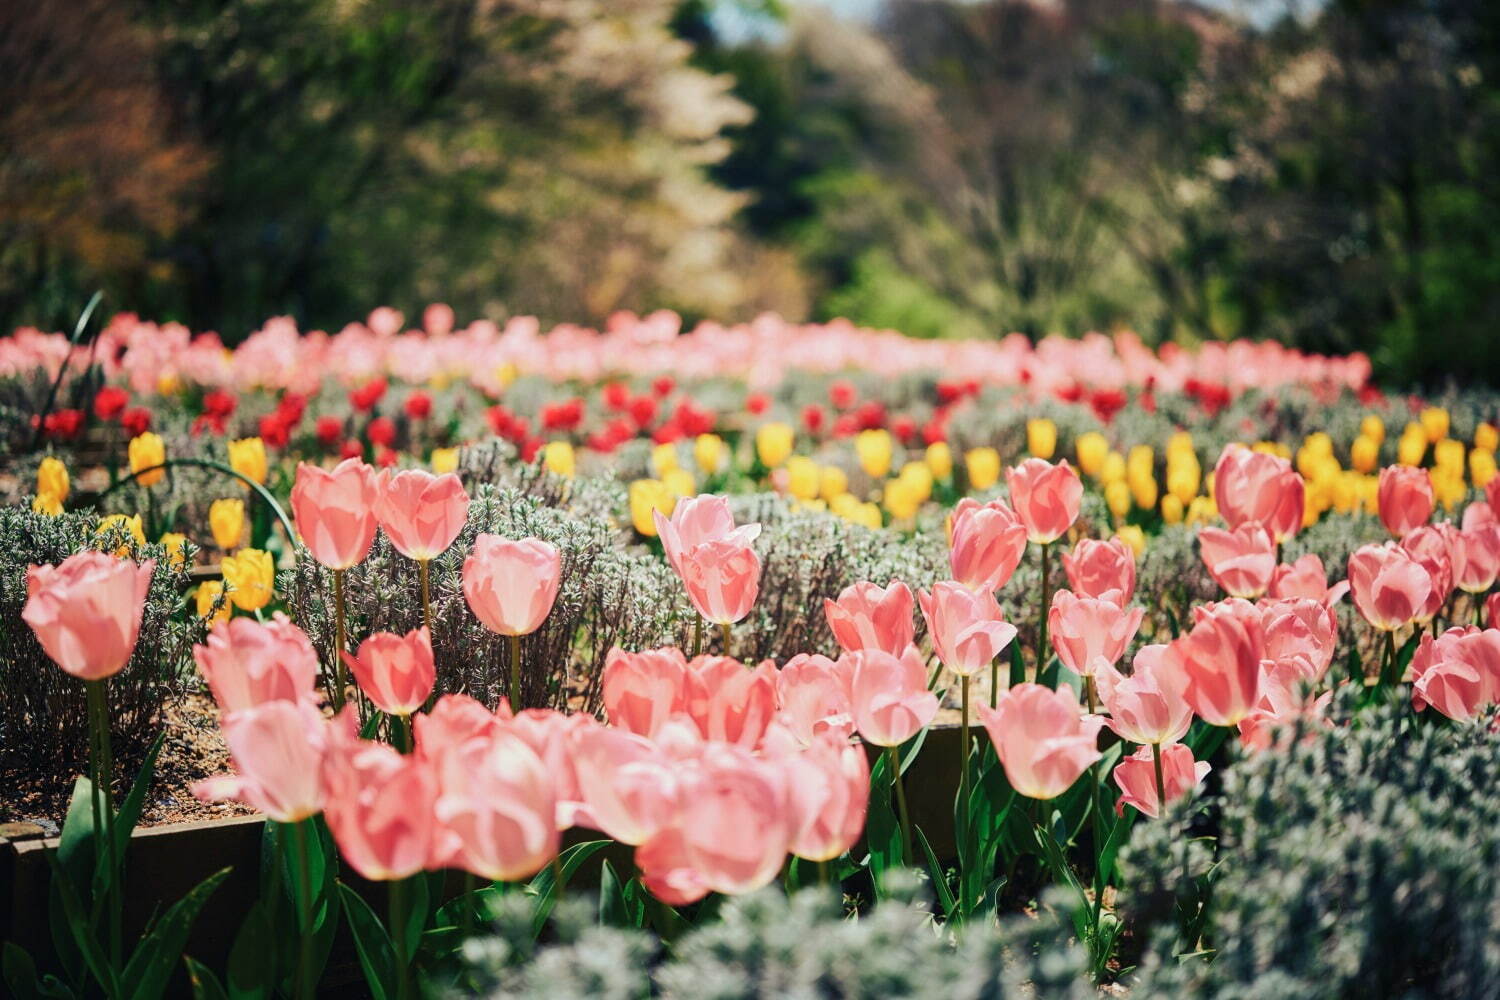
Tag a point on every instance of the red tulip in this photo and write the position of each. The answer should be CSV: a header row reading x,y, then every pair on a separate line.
x,y
1045,497
395,672
1090,633
1220,656
335,511
867,616
1390,587
277,748
889,696
1253,486
1136,776
511,586
421,513
248,663
1241,561
1406,498
1043,739
86,611
1096,567
987,544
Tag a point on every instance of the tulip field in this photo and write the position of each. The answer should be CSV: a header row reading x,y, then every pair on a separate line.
x,y
751,660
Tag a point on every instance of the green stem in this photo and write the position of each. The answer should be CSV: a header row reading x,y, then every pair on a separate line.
x,y
1088,692
471,885
698,636
398,905
339,682
401,732
98,697
203,463
724,632
422,571
963,789
304,913
1390,674
1041,642
894,760
1161,785
515,673
823,878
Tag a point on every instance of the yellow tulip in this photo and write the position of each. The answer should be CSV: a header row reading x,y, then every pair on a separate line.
x,y
1041,437
226,519
1481,467
1202,510
901,499
1411,447
868,515
647,495
1434,423
1364,454
874,450
919,477
1091,447
1133,536
46,503
506,374
209,593
52,479
832,482
176,545
1171,509
132,526
983,466
168,383
663,458
251,576
804,481
1487,436
1117,496
1447,488
1113,469
1180,445
940,460
1182,483
1373,428
444,460
773,443
1141,461
680,482
1449,454
559,459
844,504
709,452
247,456
146,452
1143,489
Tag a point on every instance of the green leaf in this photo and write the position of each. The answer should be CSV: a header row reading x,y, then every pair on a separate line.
x,y
81,931
130,807
20,972
939,875
882,829
1017,664
544,883
613,911
376,956
206,985
253,966
151,963
1119,830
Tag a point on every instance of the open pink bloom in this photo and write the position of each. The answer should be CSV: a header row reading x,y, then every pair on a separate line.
x,y
495,810
1406,499
335,511
828,785
1090,632
889,696
277,748
1302,627
697,521
722,580
1435,547
965,626
421,513
642,690
730,702
1096,568
395,672
86,611
1481,562
1479,512
1045,497
628,785
1253,486
1458,673
1042,737
1136,776
1492,611
1220,657
867,616
1241,561
452,720
813,697
380,803
1306,577
1149,706
511,586
1390,587
987,544
547,731
248,663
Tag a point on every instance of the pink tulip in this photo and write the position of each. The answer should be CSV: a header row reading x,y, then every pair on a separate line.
x,y
1045,497
732,703
1433,547
1090,633
1478,513
421,513
829,793
813,698
1241,561
1492,611
511,586
1306,577
1042,738
1458,673
1253,486
629,788
889,696
697,521
1492,493
335,511
248,663
1136,776
867,616
1406,499
1220,657
987,544
277,747
642,690
965,626
380,803
454,719
1390,588
547,733
1481,562
722,580
86,611
1265,727
395,672
495,809
1301,628
1149,706
1096,568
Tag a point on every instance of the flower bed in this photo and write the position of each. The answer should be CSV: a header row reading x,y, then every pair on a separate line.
x,y
750,605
